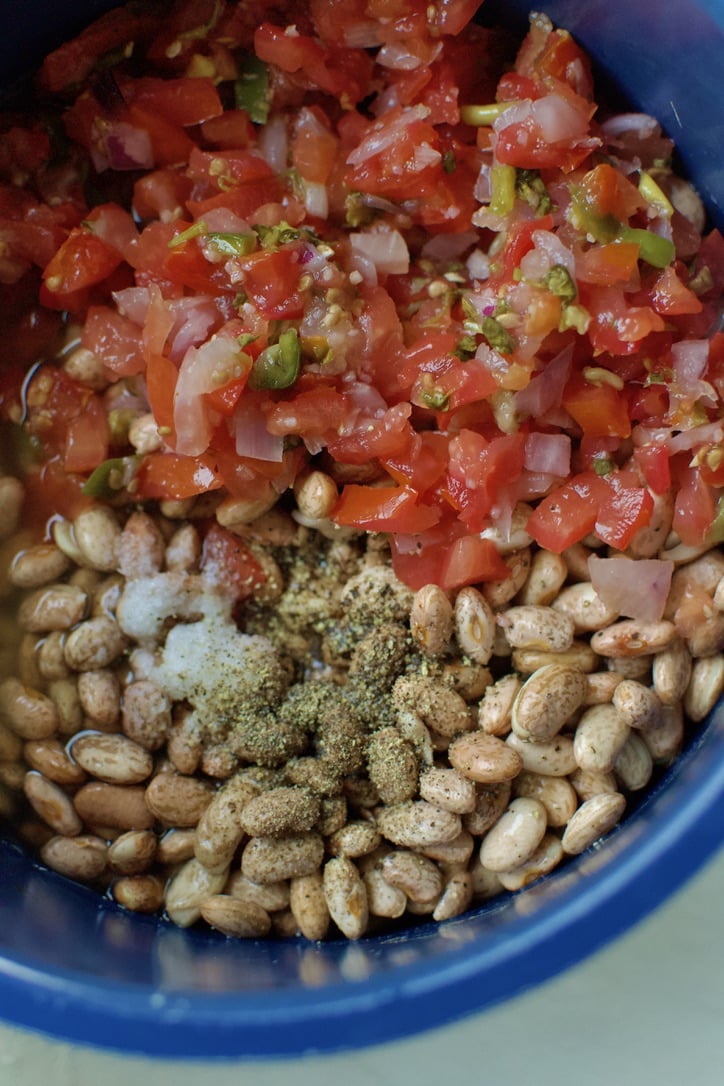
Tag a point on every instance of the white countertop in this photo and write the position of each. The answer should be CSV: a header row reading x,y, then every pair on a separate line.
x,y
649,1009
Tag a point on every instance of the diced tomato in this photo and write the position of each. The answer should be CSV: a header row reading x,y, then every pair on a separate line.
x,y
383,509
567,514
228,562
422,464
670,297
183,102
271,279
606,191
160,194
625,508
83,260
615,262
115,340
519,241
171,476
599,409
694,508
87,439
231,129
315,413
653,460
374,438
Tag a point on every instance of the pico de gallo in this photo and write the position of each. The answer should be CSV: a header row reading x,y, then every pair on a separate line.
x,y
373,237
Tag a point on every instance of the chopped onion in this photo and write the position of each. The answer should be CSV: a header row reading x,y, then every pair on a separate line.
x,y
386,135
634,587
448,246
127,147
316,201
709,433
252,437
133,302
558,119
478,265
641,124
545,391
202,370
387,249
548,454
273,143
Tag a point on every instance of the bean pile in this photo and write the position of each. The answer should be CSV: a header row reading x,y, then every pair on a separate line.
x,y
340,752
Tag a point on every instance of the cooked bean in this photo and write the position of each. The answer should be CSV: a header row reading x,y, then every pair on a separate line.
x,y
58,607
183,549
584,606
547,576
30,714
539,628
141,894
417,876
95,643
546,857
175,847
456,896
189,888
11,745
555,793
486,884
632,667
346,896
496,706
393,764
220,831
269,859
634,765
316,494
592,782
69,712
671,672
120,806
467,679
579,656
601,685
280,811
452,853
97,532
141,548
83,857
484,758
431,620
631,638
50,758
439,707
546,701
599,736
383,899
99,694
637,705
705,687
132,853
665,741
51,656
593,819
474,625
515,836
416,823
146,715
38,565
11,503
232,917
448,788
114,759
176,800
52,804
272,896
498,593
490,802
355,839
554,756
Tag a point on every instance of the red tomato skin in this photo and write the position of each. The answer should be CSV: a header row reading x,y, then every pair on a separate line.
x,y
115,340
81,261
165,475
567,514
380,509
87,439
228,562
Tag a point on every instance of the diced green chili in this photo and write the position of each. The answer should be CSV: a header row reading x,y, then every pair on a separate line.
x,y
449,162
497,336
602,228
560,282
111,477
603,465
278,364
233,244
271,237
251,89
502,189
485,115
655,250
529,186
196,230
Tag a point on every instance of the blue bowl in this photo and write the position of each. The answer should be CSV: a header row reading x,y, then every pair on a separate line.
x,y
79,968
